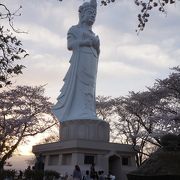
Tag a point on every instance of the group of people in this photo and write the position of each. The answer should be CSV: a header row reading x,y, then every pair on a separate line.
x,y
89,174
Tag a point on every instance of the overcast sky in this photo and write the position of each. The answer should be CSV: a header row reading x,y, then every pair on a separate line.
x,y
127,62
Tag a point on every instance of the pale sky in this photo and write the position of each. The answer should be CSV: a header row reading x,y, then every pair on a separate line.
x,y
127,62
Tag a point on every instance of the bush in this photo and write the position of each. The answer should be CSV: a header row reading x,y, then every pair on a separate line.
x,y
33,174
7,174
39,174
50,175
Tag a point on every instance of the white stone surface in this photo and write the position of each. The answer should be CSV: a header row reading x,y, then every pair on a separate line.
x,y
77,99
107,155
96,130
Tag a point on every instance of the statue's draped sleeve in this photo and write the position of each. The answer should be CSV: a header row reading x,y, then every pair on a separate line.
x,y
66,95
73,39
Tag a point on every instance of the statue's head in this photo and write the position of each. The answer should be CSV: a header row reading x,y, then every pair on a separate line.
x,y
87,12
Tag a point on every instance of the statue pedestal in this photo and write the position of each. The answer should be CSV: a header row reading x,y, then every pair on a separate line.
x,y
95,130
84,142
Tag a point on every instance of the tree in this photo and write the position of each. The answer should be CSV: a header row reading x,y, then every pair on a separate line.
x,y
168,92
24,112
105,111
10,47
134,124
104,107
144,117
50,139
129,121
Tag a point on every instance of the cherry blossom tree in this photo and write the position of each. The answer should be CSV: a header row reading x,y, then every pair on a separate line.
x,y
50,139
168,92
105,111
131,121
144,117
24,112
104,107
134,125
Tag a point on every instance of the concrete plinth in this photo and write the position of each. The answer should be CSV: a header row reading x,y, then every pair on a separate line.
x,y
84,142
64,155
94,130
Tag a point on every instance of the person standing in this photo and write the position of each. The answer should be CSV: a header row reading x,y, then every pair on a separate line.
x,y
20,175
92,171
101,176
77,173
87,176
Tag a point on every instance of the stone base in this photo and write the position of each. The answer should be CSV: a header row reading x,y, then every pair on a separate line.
x,y
64,155
84,142
95,130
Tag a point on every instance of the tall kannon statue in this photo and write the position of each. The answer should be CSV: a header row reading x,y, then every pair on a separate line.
x,y
77,98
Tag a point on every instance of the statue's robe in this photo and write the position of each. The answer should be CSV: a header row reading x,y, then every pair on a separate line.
x,y
77,96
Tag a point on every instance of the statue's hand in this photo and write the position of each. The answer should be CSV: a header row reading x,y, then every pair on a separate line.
x,y
86,42
96,42
87,35
94,39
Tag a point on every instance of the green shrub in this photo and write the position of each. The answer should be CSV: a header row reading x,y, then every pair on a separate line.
x,y
34,174
50,175
39,174
8,173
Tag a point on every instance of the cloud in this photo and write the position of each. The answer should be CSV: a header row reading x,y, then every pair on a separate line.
x,y
146,55
120,69
42,36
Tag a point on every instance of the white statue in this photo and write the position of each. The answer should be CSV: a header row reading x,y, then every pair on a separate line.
x,y
77,98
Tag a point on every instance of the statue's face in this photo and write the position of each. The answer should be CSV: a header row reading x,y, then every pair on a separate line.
x,y
90,16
